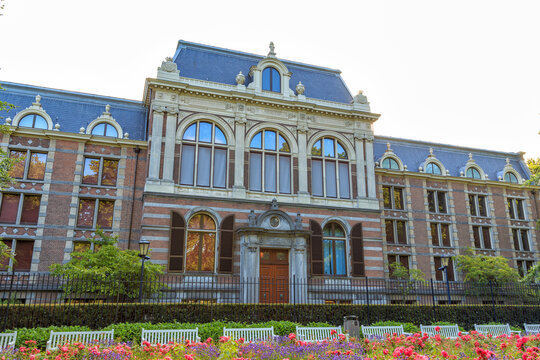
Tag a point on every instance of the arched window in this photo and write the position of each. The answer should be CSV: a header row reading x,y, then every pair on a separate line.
x,y
201,243
204,156
34,121
105,129
511,178
271,80
473,173
334,249
270,163
433,168
329,166
390,163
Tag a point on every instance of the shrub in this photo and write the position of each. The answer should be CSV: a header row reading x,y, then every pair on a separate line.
x,y
41,335
407,327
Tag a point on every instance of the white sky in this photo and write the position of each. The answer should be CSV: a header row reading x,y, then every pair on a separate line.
x,y
456,72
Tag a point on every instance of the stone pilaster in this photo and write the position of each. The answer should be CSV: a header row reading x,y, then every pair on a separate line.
x,y
155,146
170,138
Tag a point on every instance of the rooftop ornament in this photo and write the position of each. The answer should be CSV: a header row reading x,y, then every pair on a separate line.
x,y
272,52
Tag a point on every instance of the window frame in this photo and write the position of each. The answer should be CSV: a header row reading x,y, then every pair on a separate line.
x,y
107,124
476,205
96,213
398,258
392,191
33,114
278,155
20,208
481,231
271,69
333,240
451,269
514,205
439,232
523,266
100,171
519,240
215,231
433,165
437,201
395,231
509,174
337,161
472,169
28,161
197,144
13,248
390,159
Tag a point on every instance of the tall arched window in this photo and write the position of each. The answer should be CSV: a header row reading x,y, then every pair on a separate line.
x,y
201,243
511,178
204,156
34,121
330,169
270,163
271,80
105,129
473,173
433,168
390,163
334,249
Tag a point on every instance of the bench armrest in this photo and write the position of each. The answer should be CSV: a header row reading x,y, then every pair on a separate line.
x,y
464,333
515,331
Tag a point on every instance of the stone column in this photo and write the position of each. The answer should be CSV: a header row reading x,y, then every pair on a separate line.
x,y
370,163
155,147
300,272
360,166
303,194
170,138
239,148
252,273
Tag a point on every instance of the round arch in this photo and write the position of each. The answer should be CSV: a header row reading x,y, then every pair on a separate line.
x,y
201,209
107,120
394,157
475,166
337,219
288,135
348,146
275,63
436,162
190,119
33,110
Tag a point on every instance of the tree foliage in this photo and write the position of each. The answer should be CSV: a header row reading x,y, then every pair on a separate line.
x,y
533,275
534,168
107,271
483,269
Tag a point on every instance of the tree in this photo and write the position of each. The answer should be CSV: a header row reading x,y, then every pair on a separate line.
x,y
533,275
485,269
106,270
534,168
409,278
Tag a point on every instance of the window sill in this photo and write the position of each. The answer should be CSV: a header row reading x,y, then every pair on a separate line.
x,y
99,186
19,225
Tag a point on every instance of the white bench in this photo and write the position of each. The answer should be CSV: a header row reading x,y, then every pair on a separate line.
x,y
495,330
445,331
382,331
250,334
58,338
532,329
7,340
165,336
314,334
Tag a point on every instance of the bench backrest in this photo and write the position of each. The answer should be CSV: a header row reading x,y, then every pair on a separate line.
x,y
311,334
445,331
86,337
532,329
250,334
381,331
494,330
170,335
7,340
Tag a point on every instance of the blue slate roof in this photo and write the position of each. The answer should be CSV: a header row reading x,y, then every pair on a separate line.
x,y
414,153
203,62
74,110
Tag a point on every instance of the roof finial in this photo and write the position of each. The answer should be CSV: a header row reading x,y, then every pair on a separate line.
x,y
387,146
107,109
430,151
507,161
470,156
272,49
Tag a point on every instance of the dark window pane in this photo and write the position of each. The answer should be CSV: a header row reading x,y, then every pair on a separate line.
x,y
316,149
99,129
482,210
23,255
285,174
398,199
316,178
276,81
510,205
387,201
255,171
17,172
256,141
431,201
30,210
329,150
36,168
205,132
476,235
450,270
404,261
472,205
269,140
86,213
389,228
445,234
220,167
10,207
188,165
203,166
515,237
330,175
519,206
434,234
219,137
110,170
266,79
525,240
190,132
401,232
441,200
270,173
487,238
439,274
344,192
105,214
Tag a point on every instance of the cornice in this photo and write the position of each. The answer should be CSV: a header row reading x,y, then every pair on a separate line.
x,y
232,93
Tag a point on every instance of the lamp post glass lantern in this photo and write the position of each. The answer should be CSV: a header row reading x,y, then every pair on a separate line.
x,y
144,247
444,267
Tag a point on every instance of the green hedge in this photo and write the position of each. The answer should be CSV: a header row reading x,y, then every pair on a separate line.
x,y
97,316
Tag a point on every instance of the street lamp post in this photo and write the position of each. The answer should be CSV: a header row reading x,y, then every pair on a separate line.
x,y
144,246
444,267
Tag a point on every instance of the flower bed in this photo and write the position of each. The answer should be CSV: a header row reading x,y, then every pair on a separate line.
x,y
415,347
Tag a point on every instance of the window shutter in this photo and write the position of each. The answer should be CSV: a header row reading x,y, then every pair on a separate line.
x,y
357,241
176,253
226,236
317,267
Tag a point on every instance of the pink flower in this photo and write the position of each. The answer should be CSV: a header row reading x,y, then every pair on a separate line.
x,y
437,328
292,336
332,332
224,339
444,354
385,351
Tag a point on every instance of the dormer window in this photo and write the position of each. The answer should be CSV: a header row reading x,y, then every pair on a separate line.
x,y
271,80
390,163
34,121
511,178
473,173
104,129
433,168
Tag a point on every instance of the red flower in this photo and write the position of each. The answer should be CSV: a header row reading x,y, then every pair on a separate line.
x,y
292,336
437,328
444,354
332,332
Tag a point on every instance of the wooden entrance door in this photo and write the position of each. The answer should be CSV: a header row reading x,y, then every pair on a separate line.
x,y
274,276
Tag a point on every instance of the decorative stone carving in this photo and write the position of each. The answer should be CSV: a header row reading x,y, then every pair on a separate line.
x,y
300,88
57,127
298,222
168,70
252,218
82,130
8,121
274,204
126,135
272,52
38,101
360,98
240,79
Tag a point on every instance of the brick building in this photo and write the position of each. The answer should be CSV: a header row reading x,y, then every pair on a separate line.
x,y
252,166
